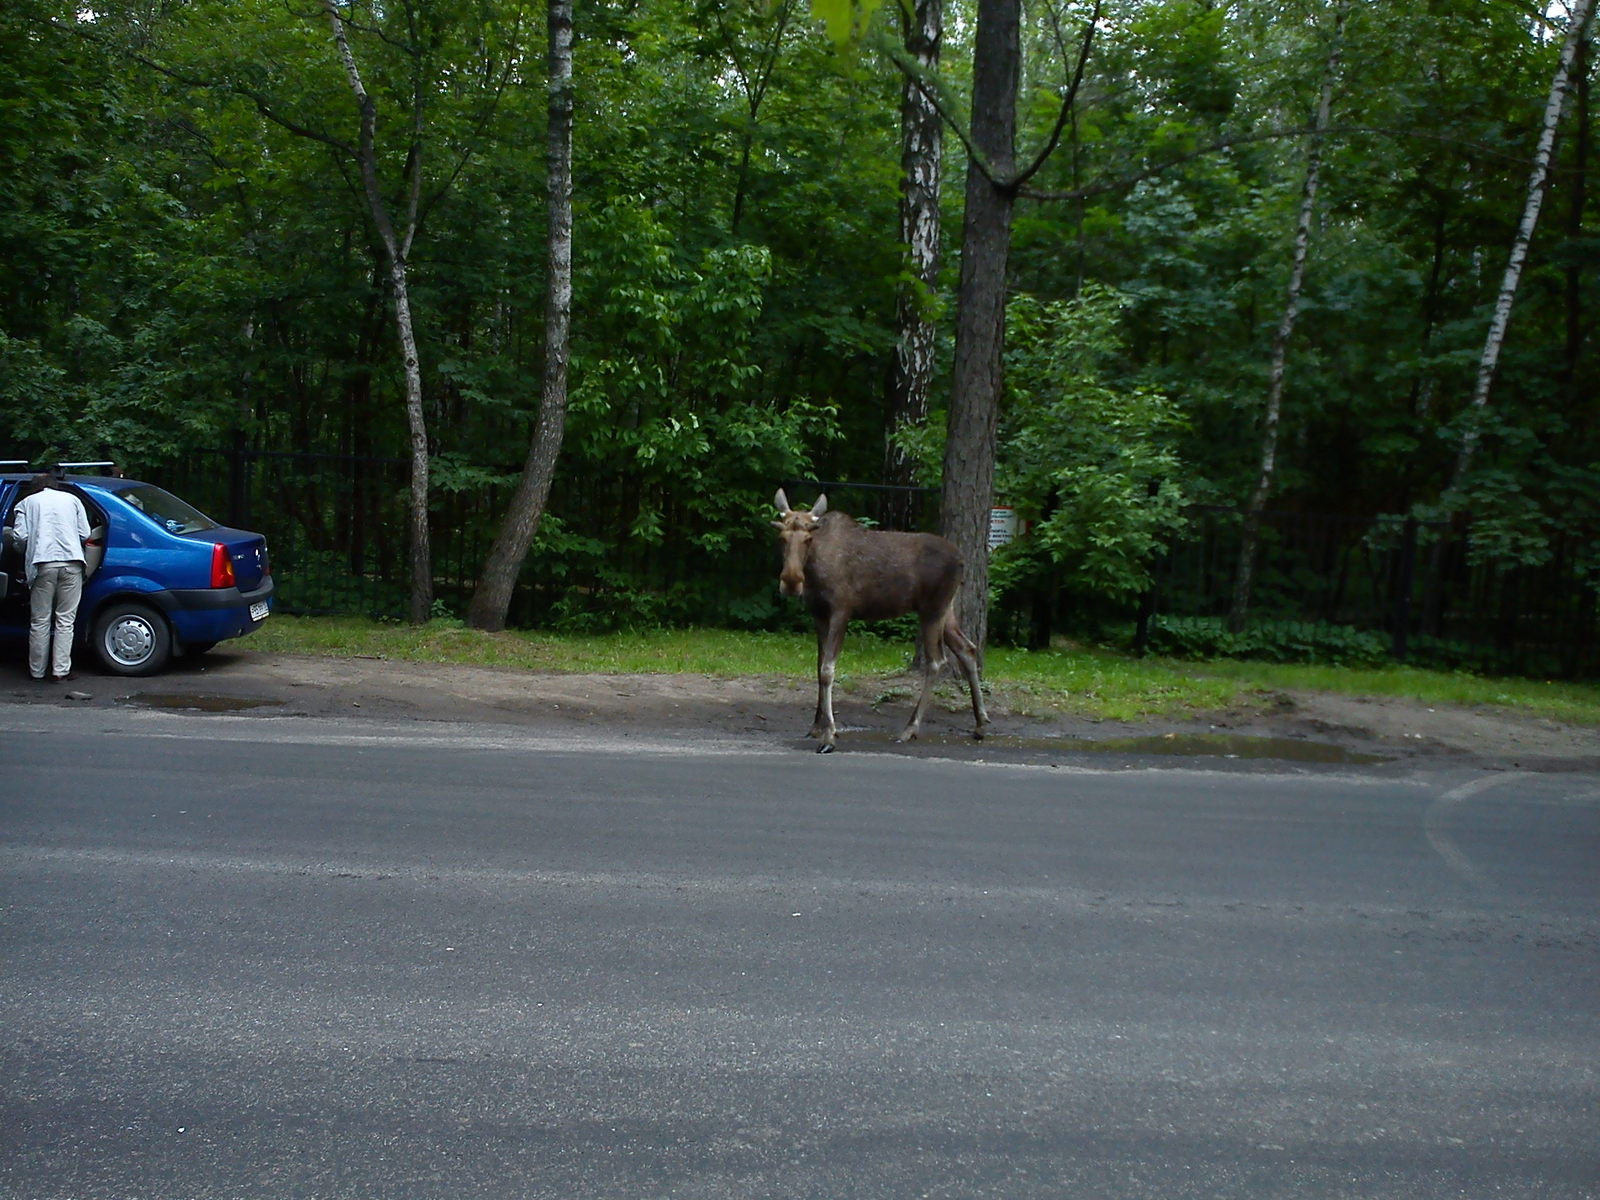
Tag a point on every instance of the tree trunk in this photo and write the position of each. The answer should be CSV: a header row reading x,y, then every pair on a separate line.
x,y
492,599
1576,268
395,250
1559,87
921,147
421,601
1266,469
968,492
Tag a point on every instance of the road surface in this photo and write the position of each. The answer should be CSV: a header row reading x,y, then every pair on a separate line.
x,y
261,957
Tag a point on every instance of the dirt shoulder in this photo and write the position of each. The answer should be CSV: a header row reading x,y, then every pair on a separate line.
x,y
1298,727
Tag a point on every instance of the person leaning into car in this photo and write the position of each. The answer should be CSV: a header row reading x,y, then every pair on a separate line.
x,y
52,524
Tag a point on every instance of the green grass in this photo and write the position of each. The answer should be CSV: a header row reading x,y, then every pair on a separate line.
x,y
1080,681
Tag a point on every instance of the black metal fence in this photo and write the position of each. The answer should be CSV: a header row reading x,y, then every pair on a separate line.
x,y
336,526
1412,583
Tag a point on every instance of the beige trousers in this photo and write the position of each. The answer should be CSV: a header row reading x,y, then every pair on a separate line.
x,y
53,609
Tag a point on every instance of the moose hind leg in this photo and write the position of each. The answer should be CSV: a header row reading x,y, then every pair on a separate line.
x,y
965,651
932,664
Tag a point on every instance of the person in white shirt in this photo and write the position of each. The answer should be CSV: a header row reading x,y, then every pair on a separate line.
x,y
52,524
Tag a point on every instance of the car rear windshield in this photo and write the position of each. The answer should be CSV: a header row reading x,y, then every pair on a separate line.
x,y
166,510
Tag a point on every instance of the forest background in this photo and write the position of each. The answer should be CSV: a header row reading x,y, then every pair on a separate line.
x,y
1254,271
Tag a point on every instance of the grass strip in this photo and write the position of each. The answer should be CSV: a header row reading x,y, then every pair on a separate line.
x,y
1083,681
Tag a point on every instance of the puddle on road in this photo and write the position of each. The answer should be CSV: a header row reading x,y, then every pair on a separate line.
x,y
198,703
1172,745
1228,745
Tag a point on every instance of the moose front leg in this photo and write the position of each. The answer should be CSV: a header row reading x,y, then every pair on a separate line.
x,y
830,636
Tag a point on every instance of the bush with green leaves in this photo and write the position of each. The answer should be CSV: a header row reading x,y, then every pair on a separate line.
x,y
1092,469
1200,639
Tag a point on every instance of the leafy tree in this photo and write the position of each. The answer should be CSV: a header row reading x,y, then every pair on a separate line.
x,y
1273,409
1093,469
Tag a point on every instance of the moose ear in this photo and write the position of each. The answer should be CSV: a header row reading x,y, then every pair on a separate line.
x,y
781,501
820,507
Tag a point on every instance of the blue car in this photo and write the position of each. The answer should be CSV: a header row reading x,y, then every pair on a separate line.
x,y
163,578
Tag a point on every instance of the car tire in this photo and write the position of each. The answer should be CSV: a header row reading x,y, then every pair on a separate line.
x,y
132,639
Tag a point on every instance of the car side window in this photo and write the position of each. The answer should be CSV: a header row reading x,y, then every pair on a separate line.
x,y
166,510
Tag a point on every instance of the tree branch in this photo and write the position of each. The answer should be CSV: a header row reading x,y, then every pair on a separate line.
x,y
1152,170
261,103
1067,101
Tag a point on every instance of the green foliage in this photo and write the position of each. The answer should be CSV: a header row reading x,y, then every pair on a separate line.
x,y
1201,639
1092,468
176,265
671,408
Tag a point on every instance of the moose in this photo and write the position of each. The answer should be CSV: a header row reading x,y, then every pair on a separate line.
x,y
844,571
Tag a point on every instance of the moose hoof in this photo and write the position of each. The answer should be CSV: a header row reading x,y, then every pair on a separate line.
x,y
825,748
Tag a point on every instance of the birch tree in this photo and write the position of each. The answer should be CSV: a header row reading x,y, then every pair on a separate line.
x,y
396,238
492,599
921,159
1272,412
1560,86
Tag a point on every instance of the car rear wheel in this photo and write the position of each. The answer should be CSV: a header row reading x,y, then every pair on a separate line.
x,y
132,639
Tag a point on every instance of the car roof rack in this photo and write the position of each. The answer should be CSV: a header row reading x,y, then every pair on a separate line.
x,y
61,468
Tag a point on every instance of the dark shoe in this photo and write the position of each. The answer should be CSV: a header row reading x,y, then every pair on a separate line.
x,y
62,678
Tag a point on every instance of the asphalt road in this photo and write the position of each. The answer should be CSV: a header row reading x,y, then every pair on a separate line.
x,y
256,957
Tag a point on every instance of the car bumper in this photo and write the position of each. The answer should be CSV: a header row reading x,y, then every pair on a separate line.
x,y
213,614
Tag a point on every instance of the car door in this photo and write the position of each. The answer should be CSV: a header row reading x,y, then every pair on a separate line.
x,y
13,559
13,570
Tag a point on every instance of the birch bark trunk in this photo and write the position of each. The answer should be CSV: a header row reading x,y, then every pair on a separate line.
x,y
1560,86
396,247
921,152
1267,462
492,599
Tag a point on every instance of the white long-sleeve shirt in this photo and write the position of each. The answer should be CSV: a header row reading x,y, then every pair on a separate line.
x,y
54,526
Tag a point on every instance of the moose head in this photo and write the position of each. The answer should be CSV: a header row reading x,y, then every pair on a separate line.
x,y
795,531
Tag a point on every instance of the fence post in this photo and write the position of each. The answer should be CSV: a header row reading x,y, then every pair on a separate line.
x,y
1141,627
1399,646
238,485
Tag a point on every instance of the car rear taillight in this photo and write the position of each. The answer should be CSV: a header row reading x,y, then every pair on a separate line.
x,y
222,567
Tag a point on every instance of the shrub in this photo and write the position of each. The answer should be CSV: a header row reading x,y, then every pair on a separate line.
x,y
1204,638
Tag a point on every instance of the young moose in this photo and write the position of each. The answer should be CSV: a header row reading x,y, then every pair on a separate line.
x,y
843,571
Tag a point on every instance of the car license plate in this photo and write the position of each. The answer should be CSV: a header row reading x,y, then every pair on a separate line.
x,y
258,611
